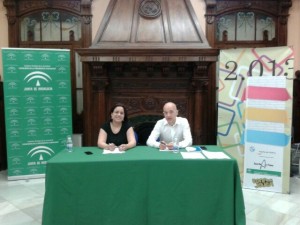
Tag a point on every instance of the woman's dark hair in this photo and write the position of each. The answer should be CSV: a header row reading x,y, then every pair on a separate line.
x,y
119,105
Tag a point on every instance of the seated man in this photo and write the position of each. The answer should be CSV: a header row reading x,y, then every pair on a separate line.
x,y
169,128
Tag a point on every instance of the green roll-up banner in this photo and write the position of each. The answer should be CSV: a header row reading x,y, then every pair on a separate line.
x,y
38,114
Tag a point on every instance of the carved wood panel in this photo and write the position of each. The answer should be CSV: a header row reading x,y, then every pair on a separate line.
x,y
145,87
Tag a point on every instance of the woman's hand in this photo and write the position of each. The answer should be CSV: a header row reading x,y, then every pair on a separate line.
x,y
111,146
123,147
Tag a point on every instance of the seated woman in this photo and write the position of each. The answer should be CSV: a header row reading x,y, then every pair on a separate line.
x,y
117,132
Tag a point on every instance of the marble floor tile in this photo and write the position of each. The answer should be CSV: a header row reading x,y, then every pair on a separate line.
x,y
21,203
17,218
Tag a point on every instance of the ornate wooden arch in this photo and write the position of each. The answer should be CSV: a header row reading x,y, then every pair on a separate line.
x,y
18,9
277,9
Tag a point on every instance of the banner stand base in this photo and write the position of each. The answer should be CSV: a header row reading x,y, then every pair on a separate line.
x,y
25,177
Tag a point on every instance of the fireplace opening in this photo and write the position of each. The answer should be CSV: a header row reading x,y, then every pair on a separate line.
x,y
143,131
143,125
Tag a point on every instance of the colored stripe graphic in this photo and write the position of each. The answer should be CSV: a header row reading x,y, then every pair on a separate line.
x,y
265,93
267,138
264,172
267,115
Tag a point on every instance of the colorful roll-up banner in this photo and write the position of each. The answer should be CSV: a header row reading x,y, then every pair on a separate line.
x,y
255,114
38,114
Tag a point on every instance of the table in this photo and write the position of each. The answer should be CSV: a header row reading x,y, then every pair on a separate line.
x,y
141,187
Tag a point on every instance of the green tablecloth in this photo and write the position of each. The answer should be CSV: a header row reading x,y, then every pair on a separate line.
x,y
141,187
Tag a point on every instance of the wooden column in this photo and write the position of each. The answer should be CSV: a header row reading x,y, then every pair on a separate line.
x,y
100,82
86,27
13,29
200,83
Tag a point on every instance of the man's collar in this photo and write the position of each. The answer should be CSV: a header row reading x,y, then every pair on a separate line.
x,y
166,122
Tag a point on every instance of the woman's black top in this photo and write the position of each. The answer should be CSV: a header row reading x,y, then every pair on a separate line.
x,y
120,137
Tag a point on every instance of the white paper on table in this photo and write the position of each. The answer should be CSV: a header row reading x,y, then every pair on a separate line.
x,y
215,155
192,155
116,151
165,150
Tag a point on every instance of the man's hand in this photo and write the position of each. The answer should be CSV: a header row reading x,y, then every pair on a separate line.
x,y
170,146
162,145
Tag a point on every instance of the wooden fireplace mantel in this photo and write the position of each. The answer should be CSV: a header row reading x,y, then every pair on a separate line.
x,y
144,85
146,53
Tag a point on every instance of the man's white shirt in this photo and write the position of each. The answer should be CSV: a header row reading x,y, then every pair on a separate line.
x,y
162,131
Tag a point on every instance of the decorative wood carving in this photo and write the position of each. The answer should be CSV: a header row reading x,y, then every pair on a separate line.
x,y
144,88
27,6
150,9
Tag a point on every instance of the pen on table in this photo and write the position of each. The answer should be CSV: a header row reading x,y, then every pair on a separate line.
x,y
198,148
